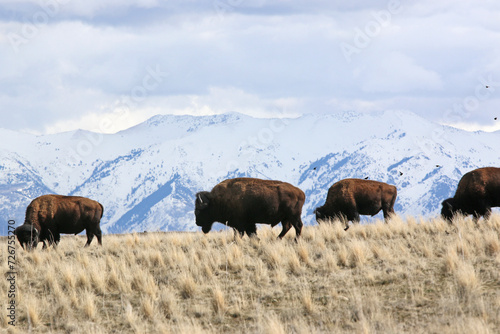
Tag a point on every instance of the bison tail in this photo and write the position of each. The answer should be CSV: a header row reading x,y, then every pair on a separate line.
x,y
102,210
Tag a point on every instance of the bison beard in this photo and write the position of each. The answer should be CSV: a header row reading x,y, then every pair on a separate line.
x,y
242,203
28,236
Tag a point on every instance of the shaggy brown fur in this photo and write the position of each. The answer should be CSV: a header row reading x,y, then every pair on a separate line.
x,y
242,203
350,198
477,192
50,215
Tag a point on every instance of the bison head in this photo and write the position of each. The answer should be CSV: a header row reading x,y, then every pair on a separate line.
x,y
320,215
449,209
202,211
28,236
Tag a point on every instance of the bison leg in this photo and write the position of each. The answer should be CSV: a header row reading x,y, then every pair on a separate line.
x,y
388,214
286,227
298,227
476,216
57,238
487,213
354,218
238,232
90,237
389,209
251,230
52,240
54,243
98,234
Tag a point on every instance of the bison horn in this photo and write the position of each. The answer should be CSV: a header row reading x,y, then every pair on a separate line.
x,y
199,197
24,228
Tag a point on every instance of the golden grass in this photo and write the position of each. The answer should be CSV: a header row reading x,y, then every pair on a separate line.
x,y
411,275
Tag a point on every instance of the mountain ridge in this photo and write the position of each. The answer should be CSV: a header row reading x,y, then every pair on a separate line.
x,y
146,176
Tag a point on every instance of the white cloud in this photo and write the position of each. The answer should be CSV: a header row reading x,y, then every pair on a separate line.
x,y
256,57
123,112
475,126
398,73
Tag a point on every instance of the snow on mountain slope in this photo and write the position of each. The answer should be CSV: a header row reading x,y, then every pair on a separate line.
x,y
147,176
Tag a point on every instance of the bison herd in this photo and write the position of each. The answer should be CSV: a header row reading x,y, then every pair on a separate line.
x,y
241,203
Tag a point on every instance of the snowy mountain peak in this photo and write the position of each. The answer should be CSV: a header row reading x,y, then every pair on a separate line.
x,y
192,121
146,177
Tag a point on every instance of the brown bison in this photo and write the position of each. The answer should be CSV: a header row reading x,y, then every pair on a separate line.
x,y
350,198
50,215
477,192
241,203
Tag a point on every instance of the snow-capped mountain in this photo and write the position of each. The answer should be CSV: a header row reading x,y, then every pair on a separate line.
x,y
147,176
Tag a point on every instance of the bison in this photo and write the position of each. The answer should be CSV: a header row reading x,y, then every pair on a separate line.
x,y
241,203
50,215
350,198
477,192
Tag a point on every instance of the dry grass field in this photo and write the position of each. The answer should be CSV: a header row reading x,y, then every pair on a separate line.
x,y
408,276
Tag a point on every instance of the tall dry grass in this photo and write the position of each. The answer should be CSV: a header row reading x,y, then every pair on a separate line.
x,y
411,275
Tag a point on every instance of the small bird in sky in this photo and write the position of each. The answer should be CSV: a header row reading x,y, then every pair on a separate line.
x,y
438,166
400,173
495,118
314,168
366,178
487,86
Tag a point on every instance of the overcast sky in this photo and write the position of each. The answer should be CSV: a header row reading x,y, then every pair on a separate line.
x,y
108,65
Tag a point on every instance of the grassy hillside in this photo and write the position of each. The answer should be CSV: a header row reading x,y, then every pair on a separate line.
x,y
411,275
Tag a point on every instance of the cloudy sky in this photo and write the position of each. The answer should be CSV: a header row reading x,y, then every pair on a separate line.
x,y
108,65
